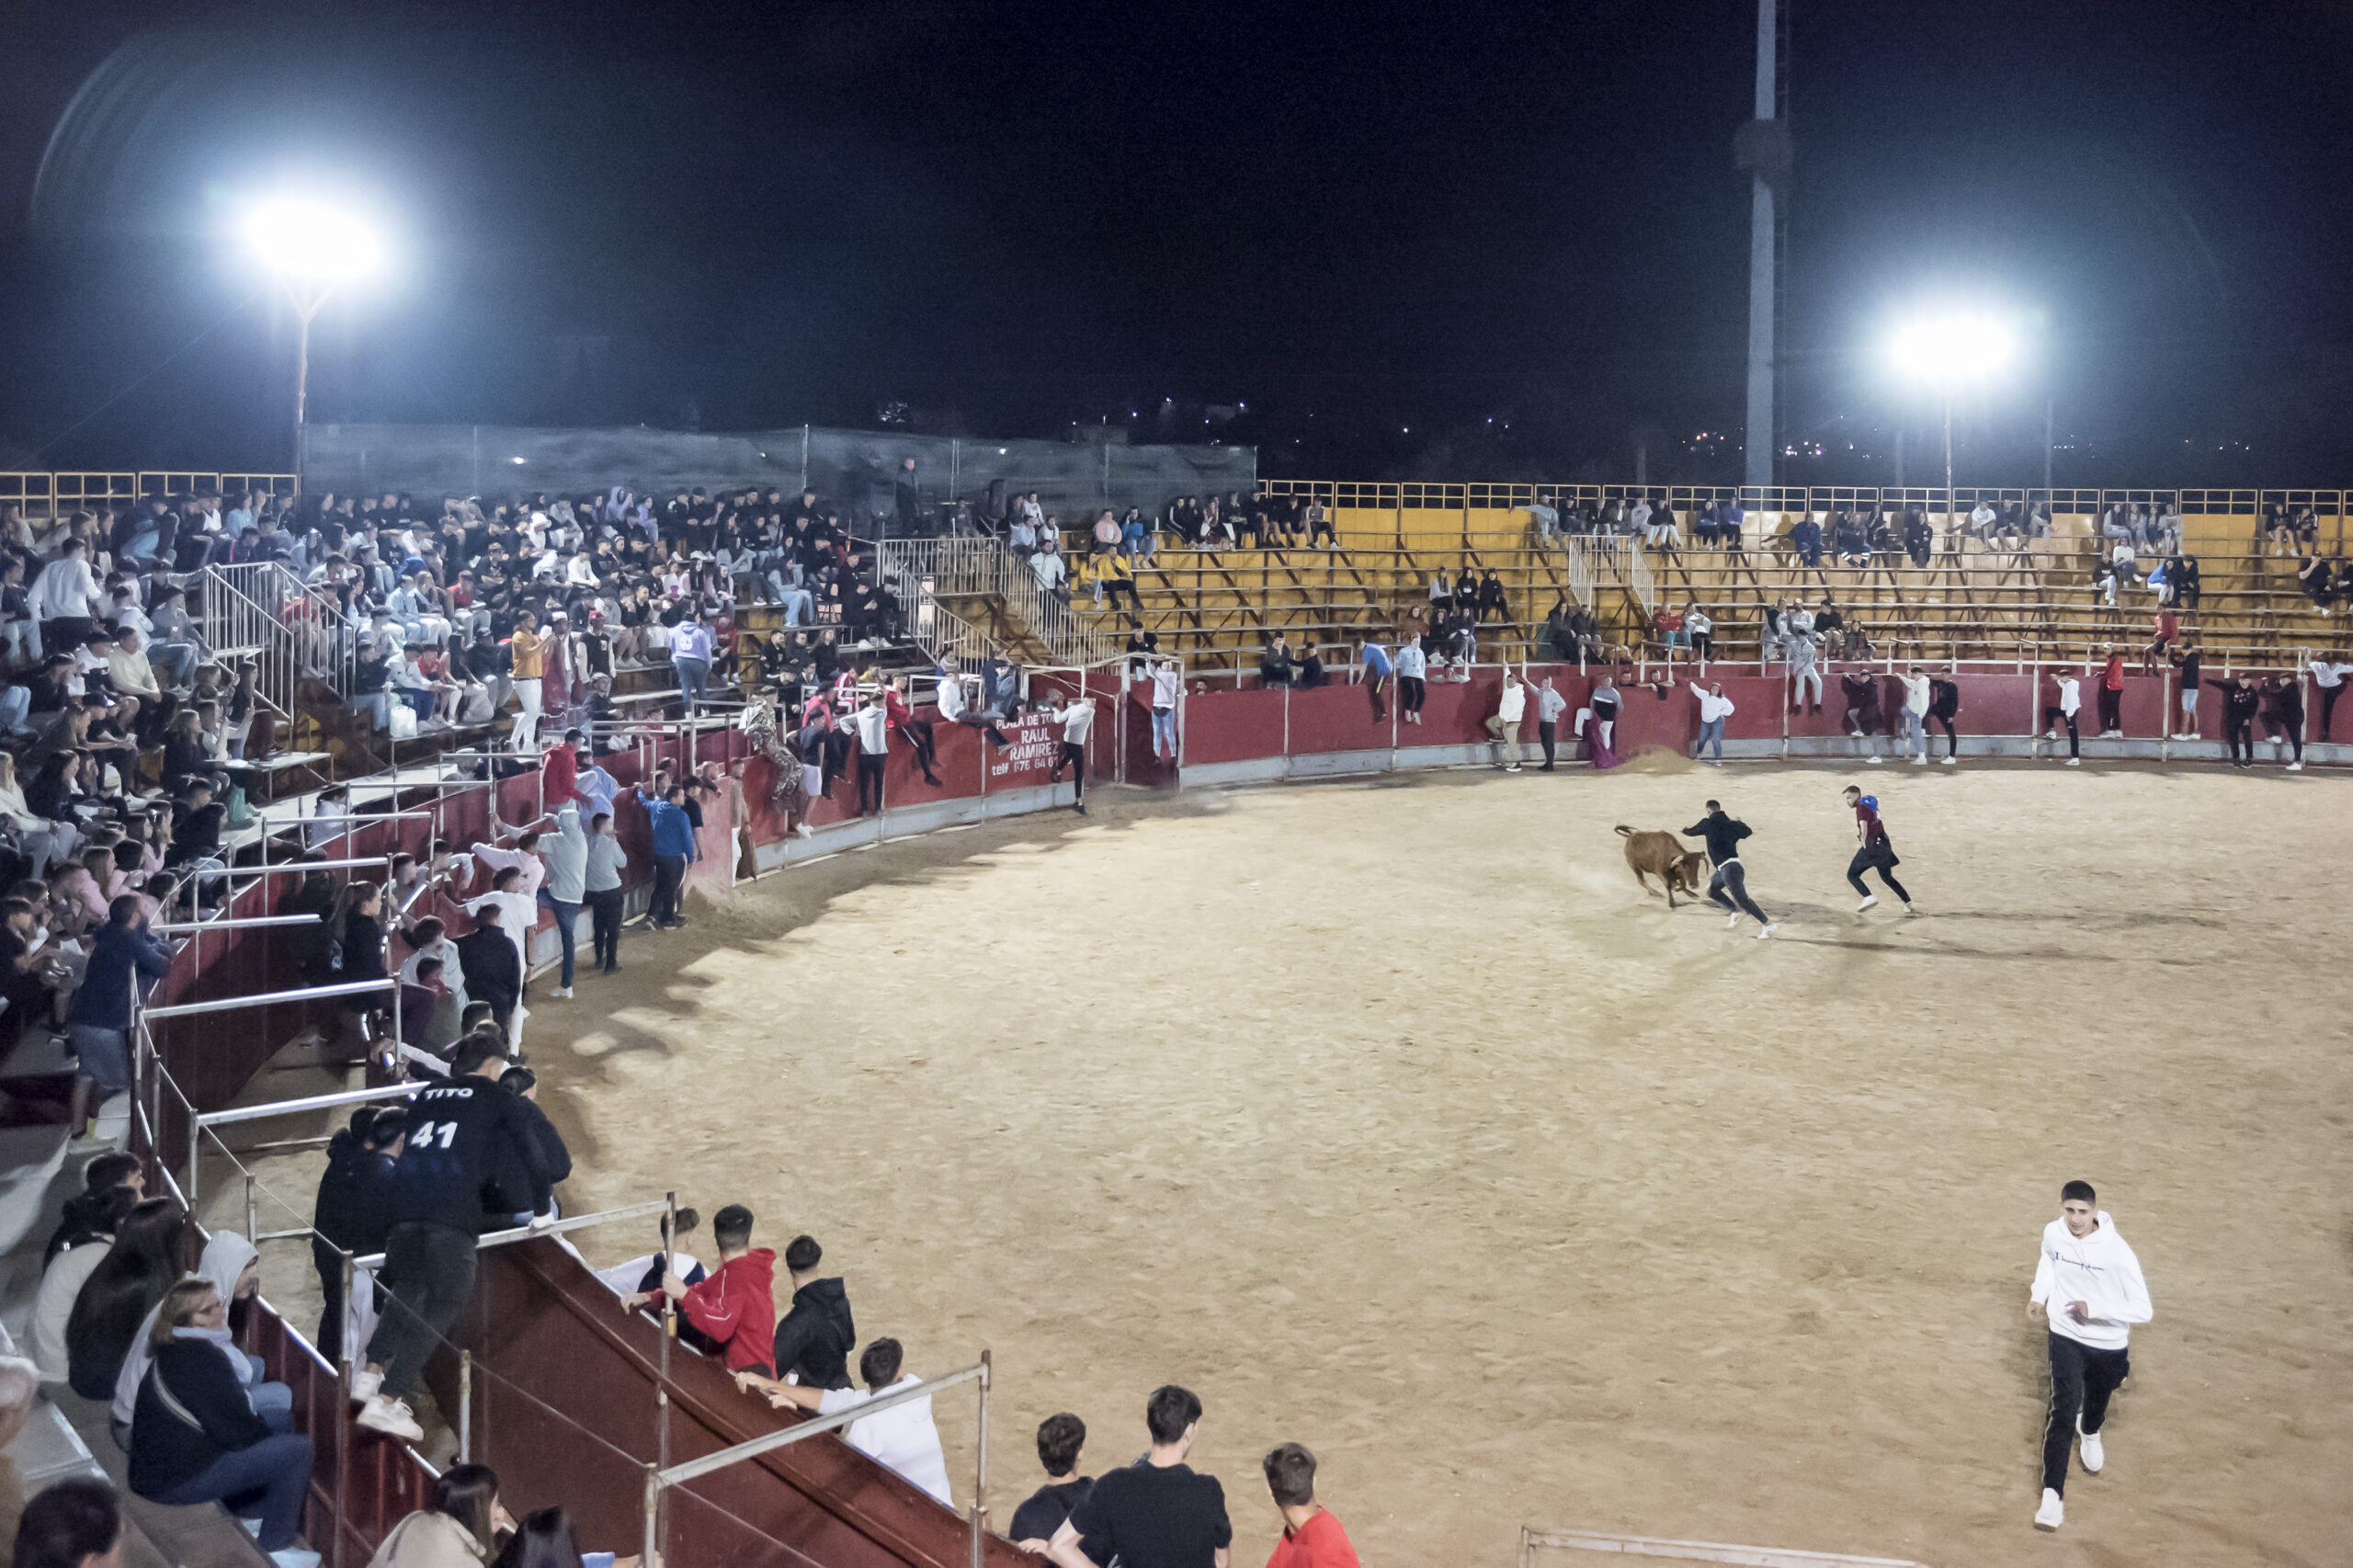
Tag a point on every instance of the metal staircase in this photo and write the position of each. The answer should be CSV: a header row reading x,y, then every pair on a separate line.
x,y
956,590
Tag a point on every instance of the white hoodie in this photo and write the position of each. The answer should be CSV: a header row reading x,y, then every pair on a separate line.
x,y
2098,1271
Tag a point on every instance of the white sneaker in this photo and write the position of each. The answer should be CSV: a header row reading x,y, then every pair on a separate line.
x,y
2295,768
1910,909
1731,920
392,1417
1515,767
2050,734
1919,762
1950,760
562,994
1873,760
2075,762
294,1557
1869,899
2053,1512
365,1385
1768,930
2089,1448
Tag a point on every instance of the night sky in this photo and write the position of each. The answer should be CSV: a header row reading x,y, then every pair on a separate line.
x,y
1482,242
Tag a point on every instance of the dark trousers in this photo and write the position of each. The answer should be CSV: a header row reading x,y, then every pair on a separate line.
x,y
329,1262
2052,718
2241,733
1867,859
1732,877
2328,708
567,915
975,722
1073,758
1704,645
269,1481
1411,692
870,781
432,1267
2111,709
918,733
2290,732
2081,1381
1114,586
1373,686
1547,729
605,918
1952,741
669,874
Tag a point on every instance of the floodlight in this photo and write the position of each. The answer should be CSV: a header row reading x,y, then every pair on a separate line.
x,y
1949,351
310,241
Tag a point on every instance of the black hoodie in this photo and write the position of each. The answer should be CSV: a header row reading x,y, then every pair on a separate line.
x,y
816,1336
350,1209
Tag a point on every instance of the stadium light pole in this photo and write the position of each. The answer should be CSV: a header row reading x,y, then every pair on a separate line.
x,y
1948,354
314,250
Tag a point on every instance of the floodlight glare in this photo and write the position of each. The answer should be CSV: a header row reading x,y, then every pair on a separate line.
x,y
1949,350
307,240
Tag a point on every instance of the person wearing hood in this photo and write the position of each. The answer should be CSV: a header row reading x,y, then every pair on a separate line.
x,y
2089,1289
232,1269
197,1436
83,1241
813,1342
349,1217
508,1184
735,1307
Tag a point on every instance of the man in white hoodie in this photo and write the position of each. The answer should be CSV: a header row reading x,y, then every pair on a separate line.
x,y
1916,713
2088,1287
1503,730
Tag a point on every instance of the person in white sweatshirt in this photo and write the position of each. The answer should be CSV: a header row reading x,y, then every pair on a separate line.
x,y
1714,708
2087,1288
1916,713
1503,730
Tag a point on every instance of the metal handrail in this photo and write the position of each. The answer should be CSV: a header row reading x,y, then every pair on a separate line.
x,y
270,998
308,1102
489,1239
815,1426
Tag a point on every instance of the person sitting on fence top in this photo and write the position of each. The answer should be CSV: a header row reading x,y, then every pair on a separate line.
x,y
735,1307
641,1276
458,1132
903,1438
1062,1443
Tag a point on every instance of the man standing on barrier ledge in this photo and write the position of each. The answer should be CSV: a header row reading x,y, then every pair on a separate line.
x,y
460,1132
1077,721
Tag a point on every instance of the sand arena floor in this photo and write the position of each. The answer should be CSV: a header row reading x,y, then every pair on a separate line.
x,y
1392,1118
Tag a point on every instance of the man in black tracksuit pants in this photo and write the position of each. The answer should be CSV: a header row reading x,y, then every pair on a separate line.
x,y
462,1133
1723,834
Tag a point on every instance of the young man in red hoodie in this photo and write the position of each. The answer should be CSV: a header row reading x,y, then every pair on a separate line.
x,y
735,1307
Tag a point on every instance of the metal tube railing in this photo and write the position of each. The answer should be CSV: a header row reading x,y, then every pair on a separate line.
x,y
308,1102
813,1426
489,1239
270,998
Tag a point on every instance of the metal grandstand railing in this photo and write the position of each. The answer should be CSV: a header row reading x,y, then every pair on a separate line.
x,y
1620,564
1576,568
259,610
923,571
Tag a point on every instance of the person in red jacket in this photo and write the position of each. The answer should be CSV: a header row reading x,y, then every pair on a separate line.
x,y
2111,697
735,1307
917,732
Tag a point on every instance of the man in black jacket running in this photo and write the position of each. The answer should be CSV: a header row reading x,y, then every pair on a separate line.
x,y
1723,834
461,1132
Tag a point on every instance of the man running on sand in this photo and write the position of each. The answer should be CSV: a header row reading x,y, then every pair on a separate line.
x,y
2088,1287
1723,834
1874,850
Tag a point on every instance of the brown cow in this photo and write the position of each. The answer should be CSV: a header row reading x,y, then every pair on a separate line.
x,y
1662,855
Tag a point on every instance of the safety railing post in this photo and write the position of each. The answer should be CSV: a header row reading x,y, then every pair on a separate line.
x,y
980,1469
653,1544
465,1407
253,1220
345,1364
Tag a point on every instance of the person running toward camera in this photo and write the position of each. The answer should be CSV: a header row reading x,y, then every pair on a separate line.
x,y
1729,886
2088,1289
1874,851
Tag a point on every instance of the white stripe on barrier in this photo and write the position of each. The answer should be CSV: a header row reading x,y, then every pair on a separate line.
x,y
1699,1550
